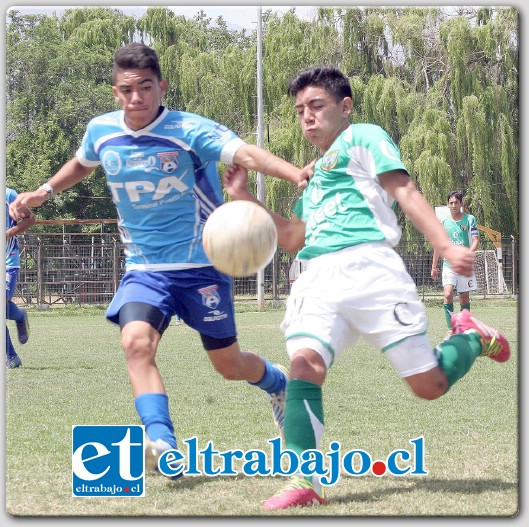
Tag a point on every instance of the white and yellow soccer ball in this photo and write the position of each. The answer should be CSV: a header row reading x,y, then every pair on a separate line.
x,y
240,238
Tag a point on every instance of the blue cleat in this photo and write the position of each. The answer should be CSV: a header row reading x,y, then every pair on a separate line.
x,y
13,362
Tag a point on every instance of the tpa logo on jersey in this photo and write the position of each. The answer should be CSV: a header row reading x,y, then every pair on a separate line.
x,y
168,161
210,296
108,461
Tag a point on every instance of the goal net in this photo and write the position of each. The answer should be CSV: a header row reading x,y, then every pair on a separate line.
x,y
489,273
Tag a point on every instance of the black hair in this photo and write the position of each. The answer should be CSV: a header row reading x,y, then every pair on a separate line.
x,y
136,56
327,77
458,194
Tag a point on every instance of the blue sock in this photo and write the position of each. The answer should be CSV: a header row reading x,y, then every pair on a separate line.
x,y
13,312
10,350
153,409
273,381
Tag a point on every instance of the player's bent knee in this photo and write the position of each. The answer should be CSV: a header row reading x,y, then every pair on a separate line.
x,y
429,385
225,355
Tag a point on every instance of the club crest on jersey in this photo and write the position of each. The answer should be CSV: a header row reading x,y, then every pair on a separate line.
x,y
168,161
464,227
328,161
210,296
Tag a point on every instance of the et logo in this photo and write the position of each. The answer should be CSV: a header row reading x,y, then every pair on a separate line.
x,y
108,461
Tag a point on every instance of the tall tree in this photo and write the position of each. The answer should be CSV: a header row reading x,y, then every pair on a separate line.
x,y
443,82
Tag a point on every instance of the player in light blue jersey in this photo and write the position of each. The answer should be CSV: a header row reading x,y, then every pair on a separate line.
x,y
24,220
355,284
161,172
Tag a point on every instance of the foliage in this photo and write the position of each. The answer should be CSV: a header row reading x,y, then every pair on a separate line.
x,y
442,82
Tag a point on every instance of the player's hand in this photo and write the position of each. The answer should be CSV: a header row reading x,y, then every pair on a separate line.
x,y
461,259
306,174
18,209
235,181
435,274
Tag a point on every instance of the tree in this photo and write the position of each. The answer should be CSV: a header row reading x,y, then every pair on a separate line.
x,y
442,81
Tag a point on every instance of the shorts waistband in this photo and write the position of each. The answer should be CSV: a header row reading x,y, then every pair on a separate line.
x,y
325,259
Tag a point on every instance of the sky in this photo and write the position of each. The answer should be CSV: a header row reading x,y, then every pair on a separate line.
x,y
242,16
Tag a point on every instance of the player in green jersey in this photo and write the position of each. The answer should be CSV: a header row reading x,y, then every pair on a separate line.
x,y
462,229
355,284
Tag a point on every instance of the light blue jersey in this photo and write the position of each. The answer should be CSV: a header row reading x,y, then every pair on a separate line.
x,y
164,183
12,250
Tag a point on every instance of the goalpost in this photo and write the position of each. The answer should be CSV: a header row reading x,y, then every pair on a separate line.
x,y
489,262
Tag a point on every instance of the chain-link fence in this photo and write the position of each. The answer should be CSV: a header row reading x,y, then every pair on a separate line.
x,y
84,269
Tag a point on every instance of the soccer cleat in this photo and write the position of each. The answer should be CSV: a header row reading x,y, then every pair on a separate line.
x,y
13,362
153,451
278,401
493,344
23,330
298,493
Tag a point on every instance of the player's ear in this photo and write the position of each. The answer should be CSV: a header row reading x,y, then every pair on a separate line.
x,y
115,93
347,103
163,87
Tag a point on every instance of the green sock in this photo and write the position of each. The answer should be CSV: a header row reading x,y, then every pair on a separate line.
x,y
457,354
449,311
303,416
465,306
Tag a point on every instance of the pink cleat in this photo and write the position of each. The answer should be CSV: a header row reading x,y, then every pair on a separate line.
x,y
494,345
298,493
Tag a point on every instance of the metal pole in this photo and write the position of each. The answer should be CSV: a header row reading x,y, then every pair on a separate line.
x,y
260,140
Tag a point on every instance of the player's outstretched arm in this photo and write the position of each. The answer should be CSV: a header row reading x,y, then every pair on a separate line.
x,y
290,233
69,175
255,158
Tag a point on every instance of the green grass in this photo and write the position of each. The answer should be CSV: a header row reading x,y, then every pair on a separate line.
x,y
74,373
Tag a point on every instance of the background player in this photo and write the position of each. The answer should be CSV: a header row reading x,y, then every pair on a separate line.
x,y
24,220
462,230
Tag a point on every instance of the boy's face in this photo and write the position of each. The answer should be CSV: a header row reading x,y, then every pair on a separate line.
x,y
455,206
139,93
321,116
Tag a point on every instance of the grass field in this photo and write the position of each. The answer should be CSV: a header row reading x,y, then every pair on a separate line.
x,y
74,373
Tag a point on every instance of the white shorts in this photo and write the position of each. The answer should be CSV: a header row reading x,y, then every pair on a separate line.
x,y
462,284
363,290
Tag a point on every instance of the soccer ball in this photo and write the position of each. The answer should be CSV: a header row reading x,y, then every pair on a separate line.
x,y
239,238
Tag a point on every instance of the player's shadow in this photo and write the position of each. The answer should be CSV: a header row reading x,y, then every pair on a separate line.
x,y
463,486
190,482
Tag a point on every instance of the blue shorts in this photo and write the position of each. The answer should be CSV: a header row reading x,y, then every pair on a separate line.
x,y
11,281
201,297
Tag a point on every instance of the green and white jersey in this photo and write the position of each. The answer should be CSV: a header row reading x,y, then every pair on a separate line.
x,y
344,204
460,232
